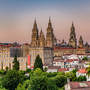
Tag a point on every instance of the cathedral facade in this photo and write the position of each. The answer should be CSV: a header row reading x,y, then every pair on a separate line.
x,y
38,40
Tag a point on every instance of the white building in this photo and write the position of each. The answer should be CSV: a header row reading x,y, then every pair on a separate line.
x,y
82,72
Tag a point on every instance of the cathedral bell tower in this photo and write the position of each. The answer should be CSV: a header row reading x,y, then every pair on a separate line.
x,y
35,36
72,40
49,35
42,39
80,42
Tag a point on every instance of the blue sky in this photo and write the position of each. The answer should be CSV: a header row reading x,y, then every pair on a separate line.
x,y
17,18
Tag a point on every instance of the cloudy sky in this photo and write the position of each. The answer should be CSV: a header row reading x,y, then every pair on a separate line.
x,y
17,18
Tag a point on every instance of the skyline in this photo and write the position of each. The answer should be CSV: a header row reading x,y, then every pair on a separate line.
x,y
17,19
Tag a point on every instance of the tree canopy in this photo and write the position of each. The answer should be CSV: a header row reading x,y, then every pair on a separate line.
x,y
12,79
38,63
15,63
85,58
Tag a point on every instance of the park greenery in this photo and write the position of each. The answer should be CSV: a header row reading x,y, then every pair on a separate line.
x,y
38,79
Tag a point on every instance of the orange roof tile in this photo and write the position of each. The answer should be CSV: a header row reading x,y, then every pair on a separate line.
x,y
63,69
83,70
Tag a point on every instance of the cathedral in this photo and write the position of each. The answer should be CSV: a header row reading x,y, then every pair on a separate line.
x,y
38,39
47,48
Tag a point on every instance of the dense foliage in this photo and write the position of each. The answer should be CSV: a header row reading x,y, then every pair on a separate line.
x,y
38,63
85,58
12,79
38,80
15,63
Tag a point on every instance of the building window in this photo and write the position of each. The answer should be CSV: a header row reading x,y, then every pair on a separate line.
x,y
21,60
7,60
7,55
10,60
33,51
30,51
41,51
33,55
0,55
30,59
33,60
41,55
2,60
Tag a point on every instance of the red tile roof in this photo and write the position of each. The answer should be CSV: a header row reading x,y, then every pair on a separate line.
x,y
5,45
31,67
76,85
45,64
62,48
53,67
63,69
71,60
83,70
26,44
81,48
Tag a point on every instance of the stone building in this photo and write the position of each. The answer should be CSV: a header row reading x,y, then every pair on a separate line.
x,y
38,40
45,53
80,42
72,39
47,47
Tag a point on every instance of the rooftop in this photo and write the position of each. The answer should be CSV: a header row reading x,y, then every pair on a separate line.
x,y
80,85
83,70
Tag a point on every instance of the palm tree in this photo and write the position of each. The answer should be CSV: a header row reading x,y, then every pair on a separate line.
x,y
88,70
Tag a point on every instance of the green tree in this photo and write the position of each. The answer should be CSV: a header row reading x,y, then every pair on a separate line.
x,y
12,79
7,69
2,65
85,58
9,66
60,80
15,63
2,72
45,69
23,86
28,70
37,72
38,63
88,70
42,83
26,64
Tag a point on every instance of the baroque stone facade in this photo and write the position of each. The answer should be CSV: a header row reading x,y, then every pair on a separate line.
x,y
38,40
72,40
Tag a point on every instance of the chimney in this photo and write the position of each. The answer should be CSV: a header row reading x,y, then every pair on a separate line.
x,y
68,80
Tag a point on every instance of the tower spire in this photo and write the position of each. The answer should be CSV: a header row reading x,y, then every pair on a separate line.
x,y
49,18
72,23
35,24
49,24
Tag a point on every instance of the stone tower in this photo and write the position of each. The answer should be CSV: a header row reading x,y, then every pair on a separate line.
x,y
49,35
86,45
42,39
80,42
35,36
72,40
